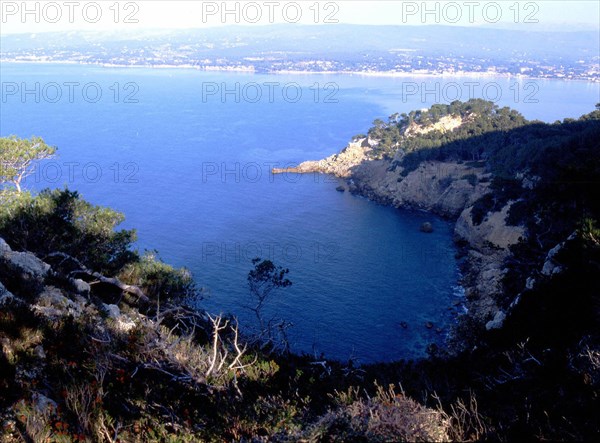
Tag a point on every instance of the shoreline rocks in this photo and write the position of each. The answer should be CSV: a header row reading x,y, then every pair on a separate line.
x,y
444,189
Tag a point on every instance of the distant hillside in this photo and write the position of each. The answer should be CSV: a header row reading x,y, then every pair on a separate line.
x,y
328,48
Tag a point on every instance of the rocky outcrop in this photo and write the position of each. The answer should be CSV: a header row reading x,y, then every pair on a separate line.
x,y
5,295
493,230
497,322
427,228
27,272
449,189
551,266
443,188
444,124
340,165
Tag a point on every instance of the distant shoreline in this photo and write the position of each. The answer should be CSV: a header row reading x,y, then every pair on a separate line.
x,y
248,70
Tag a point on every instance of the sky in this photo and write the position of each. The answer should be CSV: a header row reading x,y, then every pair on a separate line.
x,y
114,15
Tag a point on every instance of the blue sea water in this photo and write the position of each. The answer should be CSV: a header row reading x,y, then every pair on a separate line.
x,y
186,155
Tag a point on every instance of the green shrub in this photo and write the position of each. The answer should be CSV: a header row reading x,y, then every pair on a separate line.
x,y
61,221
481,208
471,178
158,279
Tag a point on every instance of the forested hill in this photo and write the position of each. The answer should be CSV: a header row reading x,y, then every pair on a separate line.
x,y
502,137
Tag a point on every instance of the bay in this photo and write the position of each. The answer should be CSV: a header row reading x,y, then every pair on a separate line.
x,y
186,155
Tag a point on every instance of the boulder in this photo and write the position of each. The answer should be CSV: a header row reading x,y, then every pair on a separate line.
x,y
81,287
53,304
122,322
427,227
497,322
43,404
551,266
4,247
112,311
25,272
5,296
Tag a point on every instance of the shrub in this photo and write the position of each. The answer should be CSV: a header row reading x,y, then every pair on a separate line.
x,y
158,279
471,178
518,213
388,416
61,221
481,208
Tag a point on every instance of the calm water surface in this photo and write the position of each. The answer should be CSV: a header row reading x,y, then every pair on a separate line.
x,y
188,163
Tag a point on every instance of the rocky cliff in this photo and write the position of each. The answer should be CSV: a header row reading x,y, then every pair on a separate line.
x,y
448,189
340,164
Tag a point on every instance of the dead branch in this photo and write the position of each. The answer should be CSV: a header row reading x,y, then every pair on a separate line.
x,y
131,289
217,328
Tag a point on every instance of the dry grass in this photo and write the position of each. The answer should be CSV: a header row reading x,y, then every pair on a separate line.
x,y
388,416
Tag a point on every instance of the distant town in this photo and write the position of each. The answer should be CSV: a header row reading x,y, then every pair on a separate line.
x,y
280,52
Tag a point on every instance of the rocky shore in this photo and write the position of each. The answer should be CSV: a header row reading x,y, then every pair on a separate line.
x,y
447,189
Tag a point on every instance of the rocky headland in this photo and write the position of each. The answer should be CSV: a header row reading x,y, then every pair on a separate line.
x,y
449,189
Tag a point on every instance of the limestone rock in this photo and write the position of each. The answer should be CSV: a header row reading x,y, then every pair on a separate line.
x,y
44,404
113,311
53,304
24,270
81,287
529,283
339,165
493,230
4,246
122,322
438,187
444,124
5,296
497,322
551,266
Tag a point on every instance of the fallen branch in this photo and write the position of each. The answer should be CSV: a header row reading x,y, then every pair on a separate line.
x,y
130,289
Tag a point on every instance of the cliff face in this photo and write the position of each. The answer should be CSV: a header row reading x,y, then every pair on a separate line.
x,y
493,230
448,189
444,188
439,187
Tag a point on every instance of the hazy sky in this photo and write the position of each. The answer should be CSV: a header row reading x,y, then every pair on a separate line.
x,y
64,15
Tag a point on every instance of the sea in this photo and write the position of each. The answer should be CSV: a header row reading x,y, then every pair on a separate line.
x,y
187,155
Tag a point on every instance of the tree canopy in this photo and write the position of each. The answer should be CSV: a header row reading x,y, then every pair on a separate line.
x,y
18,155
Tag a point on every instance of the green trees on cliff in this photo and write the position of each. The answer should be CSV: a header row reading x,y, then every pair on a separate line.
x,y
61,221
478,117
17,157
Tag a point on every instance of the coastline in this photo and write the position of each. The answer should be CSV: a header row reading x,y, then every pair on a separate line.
x,y
252,70
440,188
